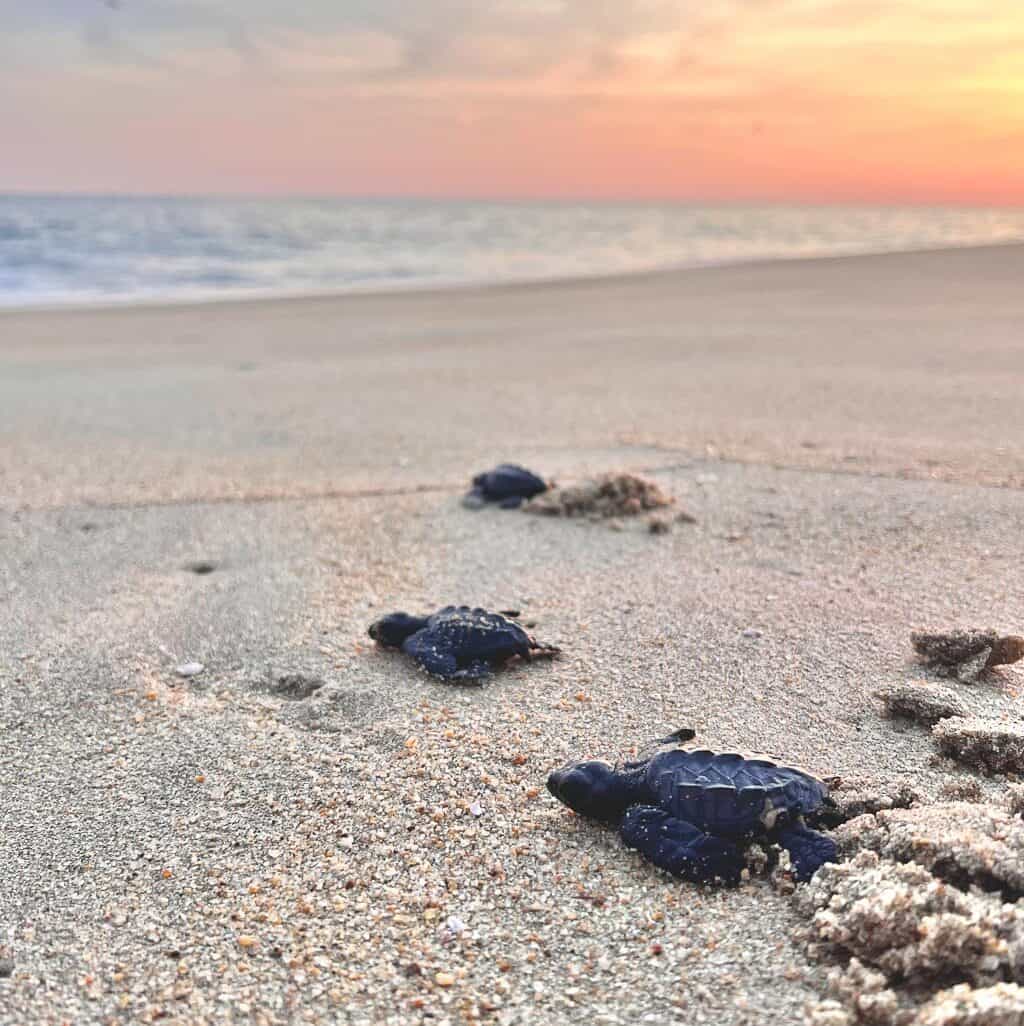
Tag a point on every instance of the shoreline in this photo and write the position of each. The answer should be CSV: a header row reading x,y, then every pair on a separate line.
x,y
430,289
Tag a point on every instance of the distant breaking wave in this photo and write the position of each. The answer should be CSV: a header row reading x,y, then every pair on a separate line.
x,y
83,250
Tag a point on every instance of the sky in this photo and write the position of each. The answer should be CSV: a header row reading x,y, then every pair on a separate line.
x,y
813,100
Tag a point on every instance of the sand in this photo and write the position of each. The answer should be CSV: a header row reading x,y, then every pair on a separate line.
x,y
215,849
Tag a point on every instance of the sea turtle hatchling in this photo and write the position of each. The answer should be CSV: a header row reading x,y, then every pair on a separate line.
x,y
508,485
690,812
458,643
967,654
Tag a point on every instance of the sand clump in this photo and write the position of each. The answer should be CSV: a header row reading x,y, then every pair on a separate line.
x,y
966,654
907,924
999,1005
922,905
962,789
962,842
993,746
603,497
854,796
865,992
920,701
1002,1004
828,1013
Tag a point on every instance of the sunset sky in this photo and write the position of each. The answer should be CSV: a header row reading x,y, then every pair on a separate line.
x,y
875,100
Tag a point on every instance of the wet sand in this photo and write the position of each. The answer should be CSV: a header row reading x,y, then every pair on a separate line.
x,y
211,850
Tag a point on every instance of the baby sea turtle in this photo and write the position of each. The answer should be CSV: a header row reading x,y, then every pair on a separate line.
x,y
508,485
691,812
458,643
967,654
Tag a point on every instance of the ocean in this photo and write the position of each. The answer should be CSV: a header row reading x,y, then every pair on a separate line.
x,y
87,250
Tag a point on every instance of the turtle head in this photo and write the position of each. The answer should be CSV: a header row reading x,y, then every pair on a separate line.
x,y
593,789
391,630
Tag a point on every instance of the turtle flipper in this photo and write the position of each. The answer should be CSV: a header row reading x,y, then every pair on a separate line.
x,y
436,660
474,673
511,502
679,847
677,737
807,849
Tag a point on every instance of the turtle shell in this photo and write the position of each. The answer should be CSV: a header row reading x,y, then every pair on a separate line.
x,y
729,794
479,634
507,480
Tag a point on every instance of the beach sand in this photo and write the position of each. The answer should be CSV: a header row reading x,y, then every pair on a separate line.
x,y
849,434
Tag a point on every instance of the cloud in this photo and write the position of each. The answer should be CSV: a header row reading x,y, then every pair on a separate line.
x,y
477,39
525,47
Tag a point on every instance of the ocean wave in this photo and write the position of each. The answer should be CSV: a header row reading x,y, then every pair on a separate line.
x,y
79,249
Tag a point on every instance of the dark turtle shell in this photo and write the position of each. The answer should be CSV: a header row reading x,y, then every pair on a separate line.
x,y
478,634
506,482
729,794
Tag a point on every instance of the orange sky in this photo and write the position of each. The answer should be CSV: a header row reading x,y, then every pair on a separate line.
x,y
749,99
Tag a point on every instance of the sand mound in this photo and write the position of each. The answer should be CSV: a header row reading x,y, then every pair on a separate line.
x,y
909,925
610,495
967,654
855,796
961,842
920,701
999,1005
994,746
862,1000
